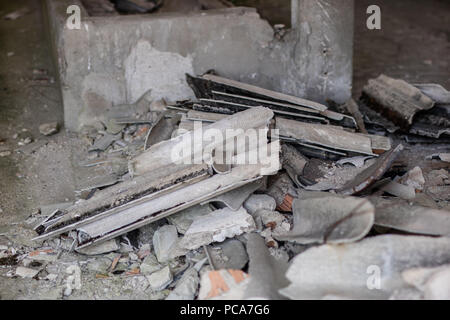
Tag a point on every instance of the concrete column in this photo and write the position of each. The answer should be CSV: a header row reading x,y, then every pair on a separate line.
x,y
323,53
294,13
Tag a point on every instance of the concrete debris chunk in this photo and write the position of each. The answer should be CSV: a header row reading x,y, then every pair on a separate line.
x,y
164,241
346,269
259,201
230,254
104,142
24,141
48,129
272,220
414,178
149,264
26,272
283,191
114,126
159,280
187,286
144,237
5,153
440,193
438,178
216,227
101,265
269,240
330,219
101,248
43,257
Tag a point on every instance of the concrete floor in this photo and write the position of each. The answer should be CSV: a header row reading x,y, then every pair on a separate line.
x,y
26,101
413,44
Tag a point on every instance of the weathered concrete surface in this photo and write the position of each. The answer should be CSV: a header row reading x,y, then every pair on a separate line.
x,y
322,50
113,60
96,61
163,72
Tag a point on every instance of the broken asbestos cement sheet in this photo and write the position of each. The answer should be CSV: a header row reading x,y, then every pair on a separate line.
x,y
403,215
396,99
329,218
435,91
204,85
267,274
343,271
293,162
162,187
146,211
216,227
223,95
399,190
319,175
433,283
371,174
330,138
119,196
159,155
234,199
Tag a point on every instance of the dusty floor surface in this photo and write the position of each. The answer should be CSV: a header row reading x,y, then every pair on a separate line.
x,y
413,44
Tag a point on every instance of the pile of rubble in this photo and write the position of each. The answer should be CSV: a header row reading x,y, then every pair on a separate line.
x,y
327,211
